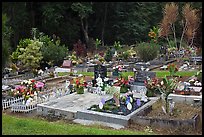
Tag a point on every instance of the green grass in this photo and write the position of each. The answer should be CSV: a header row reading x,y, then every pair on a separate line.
x,y
159,74
12,125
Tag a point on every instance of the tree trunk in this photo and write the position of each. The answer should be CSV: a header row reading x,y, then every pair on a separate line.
x,y
174,33
194,32
85,30
184,29
104,21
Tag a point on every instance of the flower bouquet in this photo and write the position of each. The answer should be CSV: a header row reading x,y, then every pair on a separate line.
x,y
151,85
29,88
79,84
123,84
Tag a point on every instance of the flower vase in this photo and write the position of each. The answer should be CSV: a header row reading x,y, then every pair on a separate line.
x,y
80,90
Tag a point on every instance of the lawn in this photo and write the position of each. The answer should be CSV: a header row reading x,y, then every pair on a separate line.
x,y
13,125
159,74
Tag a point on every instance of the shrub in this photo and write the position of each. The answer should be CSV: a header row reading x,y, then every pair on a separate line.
x,y
23,43
125,55
108,55
80,48
32,55
53,52
147,51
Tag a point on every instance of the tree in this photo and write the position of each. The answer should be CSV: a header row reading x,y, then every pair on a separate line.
x,y
6,33
190,22
32,55
104,23
53,52
83,9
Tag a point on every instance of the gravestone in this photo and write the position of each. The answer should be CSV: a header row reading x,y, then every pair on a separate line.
x,y
100,69
141,76
138,87
196,60
67,64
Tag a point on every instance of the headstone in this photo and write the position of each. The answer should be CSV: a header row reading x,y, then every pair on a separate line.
x,y
67,64
141,76
100,70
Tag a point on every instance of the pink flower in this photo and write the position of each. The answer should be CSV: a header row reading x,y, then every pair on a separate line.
x,y
39,84
19,87
120,68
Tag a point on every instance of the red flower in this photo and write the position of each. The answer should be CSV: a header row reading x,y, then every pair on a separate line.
x,y
33,80
22,90
85,84
77,82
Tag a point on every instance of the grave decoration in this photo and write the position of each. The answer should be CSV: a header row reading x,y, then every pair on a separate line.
x,y
123,83
28,89
100,69
99,85
124,105
117,69
79,85
115,91
195,82
150,84
185,88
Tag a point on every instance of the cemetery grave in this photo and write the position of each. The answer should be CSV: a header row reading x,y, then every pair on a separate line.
x,y
153,79
183,115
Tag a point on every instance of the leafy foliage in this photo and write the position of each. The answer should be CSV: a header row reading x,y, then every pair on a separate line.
x,y
6,33
53,52
80,48
23,43
31,55
166,87
97,43
108,55
147,51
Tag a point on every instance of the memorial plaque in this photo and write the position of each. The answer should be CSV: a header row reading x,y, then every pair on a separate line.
x,y
141,76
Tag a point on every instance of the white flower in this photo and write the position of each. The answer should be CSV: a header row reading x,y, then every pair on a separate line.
x,y
162,82
99,82
191,80
29,82
105,79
